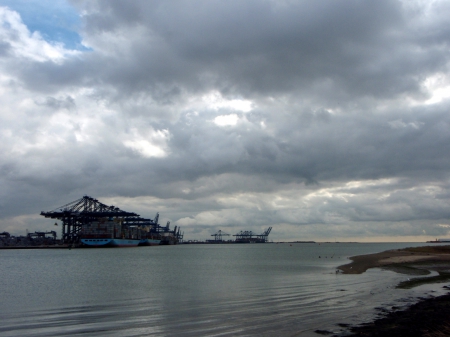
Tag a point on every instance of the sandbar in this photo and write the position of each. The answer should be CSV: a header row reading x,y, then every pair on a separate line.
x,y
436,257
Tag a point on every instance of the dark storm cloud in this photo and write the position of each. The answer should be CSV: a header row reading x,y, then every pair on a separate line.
x,y
327,51
343,48
309,147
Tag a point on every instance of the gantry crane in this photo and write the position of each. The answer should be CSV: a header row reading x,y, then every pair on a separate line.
x,y
86,210
250,237
218,236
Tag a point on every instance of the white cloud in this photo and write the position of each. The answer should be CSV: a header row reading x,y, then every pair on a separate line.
x,y
438,87
152,144
214,100
226,120
29,45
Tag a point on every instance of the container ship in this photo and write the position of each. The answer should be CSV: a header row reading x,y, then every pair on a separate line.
x,y
111,233
119,242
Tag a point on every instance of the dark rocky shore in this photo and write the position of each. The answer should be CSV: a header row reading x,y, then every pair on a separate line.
x,y
429,318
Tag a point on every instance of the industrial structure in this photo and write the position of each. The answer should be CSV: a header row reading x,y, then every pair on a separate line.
x,y
89,223
250,237
92,219
30,240
241,237
218,237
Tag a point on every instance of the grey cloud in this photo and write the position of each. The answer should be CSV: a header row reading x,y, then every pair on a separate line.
x,y
4,49
331,83
326,51
256,46
58,103
361,146
264,47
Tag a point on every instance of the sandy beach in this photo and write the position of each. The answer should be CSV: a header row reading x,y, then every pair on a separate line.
x,y
431,316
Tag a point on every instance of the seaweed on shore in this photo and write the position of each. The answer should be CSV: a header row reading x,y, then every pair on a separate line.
x,y
407,269
420,268
418,281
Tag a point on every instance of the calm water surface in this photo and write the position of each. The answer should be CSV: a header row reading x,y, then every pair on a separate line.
x,y
192,290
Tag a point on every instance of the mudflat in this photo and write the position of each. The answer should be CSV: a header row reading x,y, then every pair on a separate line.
x,y
438,255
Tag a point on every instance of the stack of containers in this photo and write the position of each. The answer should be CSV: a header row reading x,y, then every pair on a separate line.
x,y
99,229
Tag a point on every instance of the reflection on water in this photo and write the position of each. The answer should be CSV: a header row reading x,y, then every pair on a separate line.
x,y
190,290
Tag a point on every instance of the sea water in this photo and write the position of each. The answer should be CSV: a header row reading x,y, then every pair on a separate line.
x,y
194,290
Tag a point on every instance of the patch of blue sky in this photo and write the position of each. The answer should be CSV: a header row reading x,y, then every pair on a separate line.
x,y
56,20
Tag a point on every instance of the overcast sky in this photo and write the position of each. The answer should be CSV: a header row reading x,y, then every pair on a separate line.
x,y
327,120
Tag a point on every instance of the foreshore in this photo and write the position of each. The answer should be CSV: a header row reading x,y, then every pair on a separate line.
x,y
430,317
